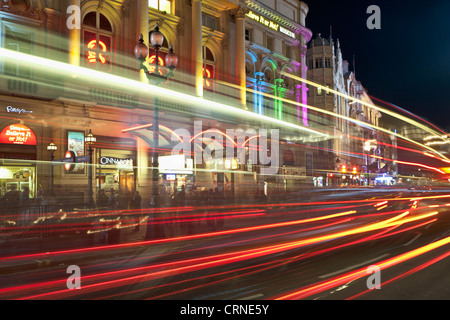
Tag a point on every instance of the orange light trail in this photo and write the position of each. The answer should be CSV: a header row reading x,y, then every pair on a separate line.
x,y
196,264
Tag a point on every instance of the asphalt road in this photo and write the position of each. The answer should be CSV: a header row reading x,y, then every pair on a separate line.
x,y
358,244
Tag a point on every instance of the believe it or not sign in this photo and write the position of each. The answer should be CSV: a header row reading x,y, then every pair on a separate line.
x,y
18,134
270,24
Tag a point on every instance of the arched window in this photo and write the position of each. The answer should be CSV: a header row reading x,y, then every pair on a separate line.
x,y
208,69
97,39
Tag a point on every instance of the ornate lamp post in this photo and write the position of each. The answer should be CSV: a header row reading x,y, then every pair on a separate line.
x,y
52,148
90,140
141,52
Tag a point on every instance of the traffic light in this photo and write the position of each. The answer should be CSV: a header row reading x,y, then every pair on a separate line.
x,y
355,170
343,168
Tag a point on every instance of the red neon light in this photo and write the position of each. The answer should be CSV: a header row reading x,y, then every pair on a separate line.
x,y
18,134
208,74
152,62
92,56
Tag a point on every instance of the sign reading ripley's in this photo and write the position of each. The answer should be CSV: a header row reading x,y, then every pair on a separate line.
x,y
18,134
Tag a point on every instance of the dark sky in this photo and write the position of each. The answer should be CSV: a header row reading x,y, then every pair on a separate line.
x,y
407,62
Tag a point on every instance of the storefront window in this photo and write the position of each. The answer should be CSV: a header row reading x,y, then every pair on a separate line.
x,y
13,180
115,171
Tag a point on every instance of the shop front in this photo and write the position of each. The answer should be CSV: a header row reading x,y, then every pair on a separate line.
x,y
176,171
17,161
115,168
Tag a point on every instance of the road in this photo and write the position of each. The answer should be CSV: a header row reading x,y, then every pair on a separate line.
x,y
331,247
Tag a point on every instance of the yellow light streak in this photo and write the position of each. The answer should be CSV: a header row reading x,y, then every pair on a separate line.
x,y
346,96
143,88
336,115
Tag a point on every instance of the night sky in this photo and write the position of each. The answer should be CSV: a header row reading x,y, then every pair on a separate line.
x,y
407,62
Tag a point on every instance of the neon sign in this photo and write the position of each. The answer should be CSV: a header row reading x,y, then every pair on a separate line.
x,y
11,109
92,55
208,74
123,163
152,59
18,134
270,24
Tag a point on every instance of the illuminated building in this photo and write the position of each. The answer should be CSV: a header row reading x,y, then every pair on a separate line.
x,y
246,44
327,67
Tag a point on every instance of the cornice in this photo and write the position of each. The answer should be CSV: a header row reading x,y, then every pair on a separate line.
x,y
33,12
278,18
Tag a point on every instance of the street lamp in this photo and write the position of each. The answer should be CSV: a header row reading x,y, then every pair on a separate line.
x,y
52,148
90,140
141,52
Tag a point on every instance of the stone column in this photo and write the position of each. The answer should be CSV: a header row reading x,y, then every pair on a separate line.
x,y
197,55
142,28
74,39
240,55
304,75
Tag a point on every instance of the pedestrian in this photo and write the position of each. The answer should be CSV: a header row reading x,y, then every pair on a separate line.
x,y
181,197
218,199
40,198
135,205
112,200
25,205
102,199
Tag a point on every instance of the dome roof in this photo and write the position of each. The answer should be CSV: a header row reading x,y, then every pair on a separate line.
x,y
319,41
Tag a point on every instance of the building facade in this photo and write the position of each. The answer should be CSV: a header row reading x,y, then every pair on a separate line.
x,y
234,52
346,158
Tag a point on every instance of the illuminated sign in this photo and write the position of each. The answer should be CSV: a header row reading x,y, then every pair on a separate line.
x,y
171,177
270,24
208,72
69,166
18,134
287,32
11,109
92,56
123,163
152,59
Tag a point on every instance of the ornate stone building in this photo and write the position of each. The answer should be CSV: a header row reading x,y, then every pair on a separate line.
x,y
229,51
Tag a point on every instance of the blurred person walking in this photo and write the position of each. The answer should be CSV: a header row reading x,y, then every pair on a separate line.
x,y
135,205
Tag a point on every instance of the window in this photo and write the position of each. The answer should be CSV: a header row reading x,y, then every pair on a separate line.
x,y
248,35
269,43
319,63
208,69
319,91
327,63
288,51
16,39
209,21
97,35
161,5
